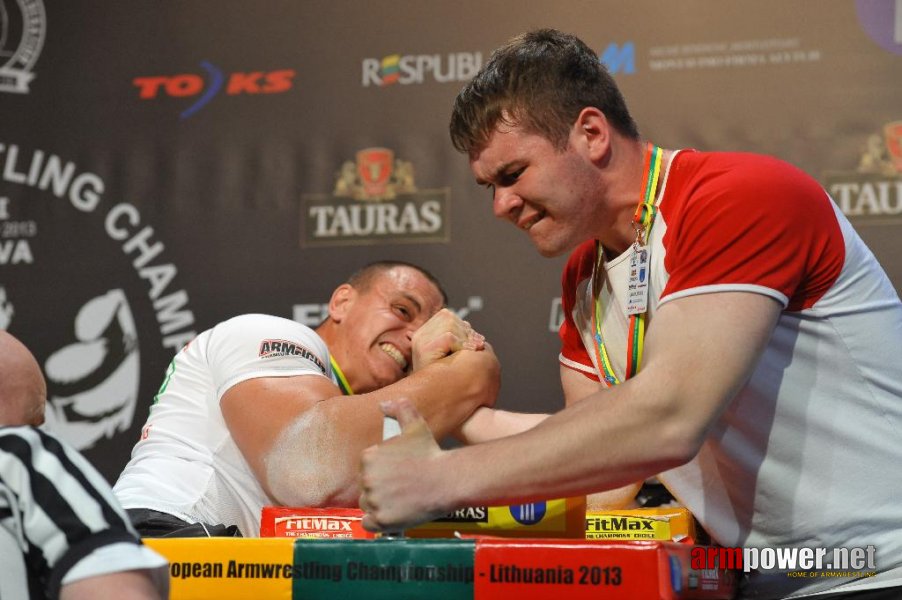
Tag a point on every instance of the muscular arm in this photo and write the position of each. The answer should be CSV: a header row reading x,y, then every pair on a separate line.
x,y
489,424
303,439
699,352
577,387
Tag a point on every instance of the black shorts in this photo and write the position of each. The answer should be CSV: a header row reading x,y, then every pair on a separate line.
x,y
156,524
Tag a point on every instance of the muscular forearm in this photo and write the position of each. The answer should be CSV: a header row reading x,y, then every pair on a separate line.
x,y
574,452
448,391
315,462
648,424
487,424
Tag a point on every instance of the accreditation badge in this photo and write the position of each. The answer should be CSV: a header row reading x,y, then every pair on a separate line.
x,y
637,282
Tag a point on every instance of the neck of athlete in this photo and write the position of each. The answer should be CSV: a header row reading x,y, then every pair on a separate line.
x,y
623,188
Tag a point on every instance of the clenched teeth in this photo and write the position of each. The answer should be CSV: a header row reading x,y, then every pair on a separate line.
x,y
392,351
535,219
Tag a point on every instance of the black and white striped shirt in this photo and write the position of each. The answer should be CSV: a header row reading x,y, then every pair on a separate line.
x,y
59,520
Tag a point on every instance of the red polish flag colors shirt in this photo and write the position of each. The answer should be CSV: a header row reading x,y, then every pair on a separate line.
x,y
809,451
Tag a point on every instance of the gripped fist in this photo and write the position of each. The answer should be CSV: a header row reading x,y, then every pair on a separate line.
x,y
443,334
394,485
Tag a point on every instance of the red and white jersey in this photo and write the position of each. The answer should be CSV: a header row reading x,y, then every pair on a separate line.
x,y
809,452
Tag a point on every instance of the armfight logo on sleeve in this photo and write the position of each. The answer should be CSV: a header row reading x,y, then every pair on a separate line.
x,y
87,286
275,348
375,200
23,26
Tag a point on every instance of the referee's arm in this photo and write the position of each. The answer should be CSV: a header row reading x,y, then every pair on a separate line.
x,y
73,538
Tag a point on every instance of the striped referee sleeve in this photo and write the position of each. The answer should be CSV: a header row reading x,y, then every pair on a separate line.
x,y
63,508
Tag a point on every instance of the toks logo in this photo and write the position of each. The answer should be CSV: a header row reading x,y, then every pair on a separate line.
x,y
190,84
873,193
375,200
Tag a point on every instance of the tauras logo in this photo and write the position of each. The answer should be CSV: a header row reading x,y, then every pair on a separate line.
x,y
23,26
316,523
414,69
473,514
872,194
375,199
274,348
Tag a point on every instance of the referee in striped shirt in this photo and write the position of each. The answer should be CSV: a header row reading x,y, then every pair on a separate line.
x,y
62,532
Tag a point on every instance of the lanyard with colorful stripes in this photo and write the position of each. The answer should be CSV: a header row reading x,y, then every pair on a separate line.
x,y
340,376
643,219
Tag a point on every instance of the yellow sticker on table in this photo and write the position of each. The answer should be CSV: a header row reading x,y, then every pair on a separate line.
x,y
227,568
670,523
564,517
614,527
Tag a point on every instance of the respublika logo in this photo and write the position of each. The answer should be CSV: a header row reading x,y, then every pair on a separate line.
x,y
23,25
882,20
872,194
420,68
190,85
375,200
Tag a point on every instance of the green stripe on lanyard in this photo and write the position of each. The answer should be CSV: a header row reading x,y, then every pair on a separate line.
x,y
643,219
342,380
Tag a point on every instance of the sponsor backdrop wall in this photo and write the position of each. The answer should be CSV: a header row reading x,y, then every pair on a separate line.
x,y
164,166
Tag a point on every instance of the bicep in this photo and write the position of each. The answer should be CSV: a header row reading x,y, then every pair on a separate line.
x,y
700,350
257,411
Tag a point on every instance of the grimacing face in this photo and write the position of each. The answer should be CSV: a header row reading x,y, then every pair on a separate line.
x,y
378,324
545,191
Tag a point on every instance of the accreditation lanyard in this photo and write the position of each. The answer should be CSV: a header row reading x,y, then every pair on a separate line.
x,y
637,292
340,376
